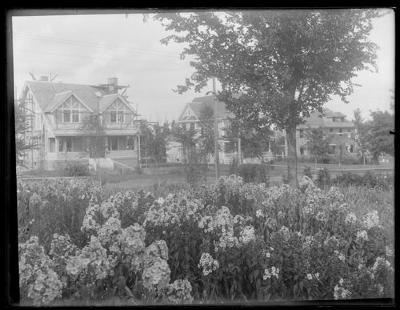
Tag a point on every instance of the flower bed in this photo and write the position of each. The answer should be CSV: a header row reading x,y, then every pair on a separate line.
x,y
228,241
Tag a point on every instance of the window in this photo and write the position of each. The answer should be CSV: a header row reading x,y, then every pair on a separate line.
x,y
75,116
120,117
333,119
65,144
191,126
52,145
131,143
113,143
71,111
351,148
69,144
117,112
301,151
301,132
330,129
113,116
67,116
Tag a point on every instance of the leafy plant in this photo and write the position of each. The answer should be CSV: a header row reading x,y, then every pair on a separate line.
x,y
76,169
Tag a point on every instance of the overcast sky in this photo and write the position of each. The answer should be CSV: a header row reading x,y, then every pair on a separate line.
x,y
87,49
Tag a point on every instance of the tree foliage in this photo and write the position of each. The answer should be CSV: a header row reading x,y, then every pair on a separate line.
x,y
207,139
317,144
254,142
286,63
154,140
192,154
361,136
22,126
92,125
379,139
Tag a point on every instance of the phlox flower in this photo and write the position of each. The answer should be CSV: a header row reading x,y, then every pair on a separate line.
x,y
371,219
351,218
381,263
247,235
208,264
321,216
156,275
180,292
388,251
160,201
362,235
259,213
285,233
271,272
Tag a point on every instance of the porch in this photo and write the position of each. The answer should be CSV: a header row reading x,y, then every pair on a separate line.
x,y
78,147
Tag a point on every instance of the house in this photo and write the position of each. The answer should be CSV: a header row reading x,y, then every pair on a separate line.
x,y
58,114
334,125
191,118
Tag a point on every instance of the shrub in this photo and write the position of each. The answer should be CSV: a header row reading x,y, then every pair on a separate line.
x,y
369,179
233,167
307,171
75,169
256,173
323,178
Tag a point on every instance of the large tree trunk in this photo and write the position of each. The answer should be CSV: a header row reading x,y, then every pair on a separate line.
x,y
292,155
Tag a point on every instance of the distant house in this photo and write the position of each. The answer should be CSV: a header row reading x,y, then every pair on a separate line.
x,y
334,125
191,118
59,111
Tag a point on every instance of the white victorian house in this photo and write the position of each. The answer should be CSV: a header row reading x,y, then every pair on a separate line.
x,y
58,112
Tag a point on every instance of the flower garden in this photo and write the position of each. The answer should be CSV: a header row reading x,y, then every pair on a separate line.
x,y
227,242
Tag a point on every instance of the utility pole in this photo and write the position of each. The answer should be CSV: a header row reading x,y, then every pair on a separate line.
x,y
239,148
216,152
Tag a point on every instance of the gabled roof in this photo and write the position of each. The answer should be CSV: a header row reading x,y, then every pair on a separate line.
x,y
60,98
108,100
49,95
329,113
200,102
45,92
57,100
317,119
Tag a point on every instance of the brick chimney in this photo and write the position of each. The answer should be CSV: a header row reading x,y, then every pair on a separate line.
x,y
112,84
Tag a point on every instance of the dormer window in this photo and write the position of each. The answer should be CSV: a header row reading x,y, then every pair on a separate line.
x,y
117,112
71,111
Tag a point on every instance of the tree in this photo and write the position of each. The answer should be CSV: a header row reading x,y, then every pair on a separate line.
x,y
254,142
153,142
207,134
285,63
379,139
361,134
189,139
93,127
317,144
22,126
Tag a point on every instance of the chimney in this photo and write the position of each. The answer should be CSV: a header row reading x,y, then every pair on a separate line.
x,y
112,84
44,78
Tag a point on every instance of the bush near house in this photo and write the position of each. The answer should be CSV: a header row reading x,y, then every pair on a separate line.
x,y
369,179
228,241
257,173
76,169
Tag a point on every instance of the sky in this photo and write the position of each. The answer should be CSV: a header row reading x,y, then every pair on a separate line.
x,y
88,49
